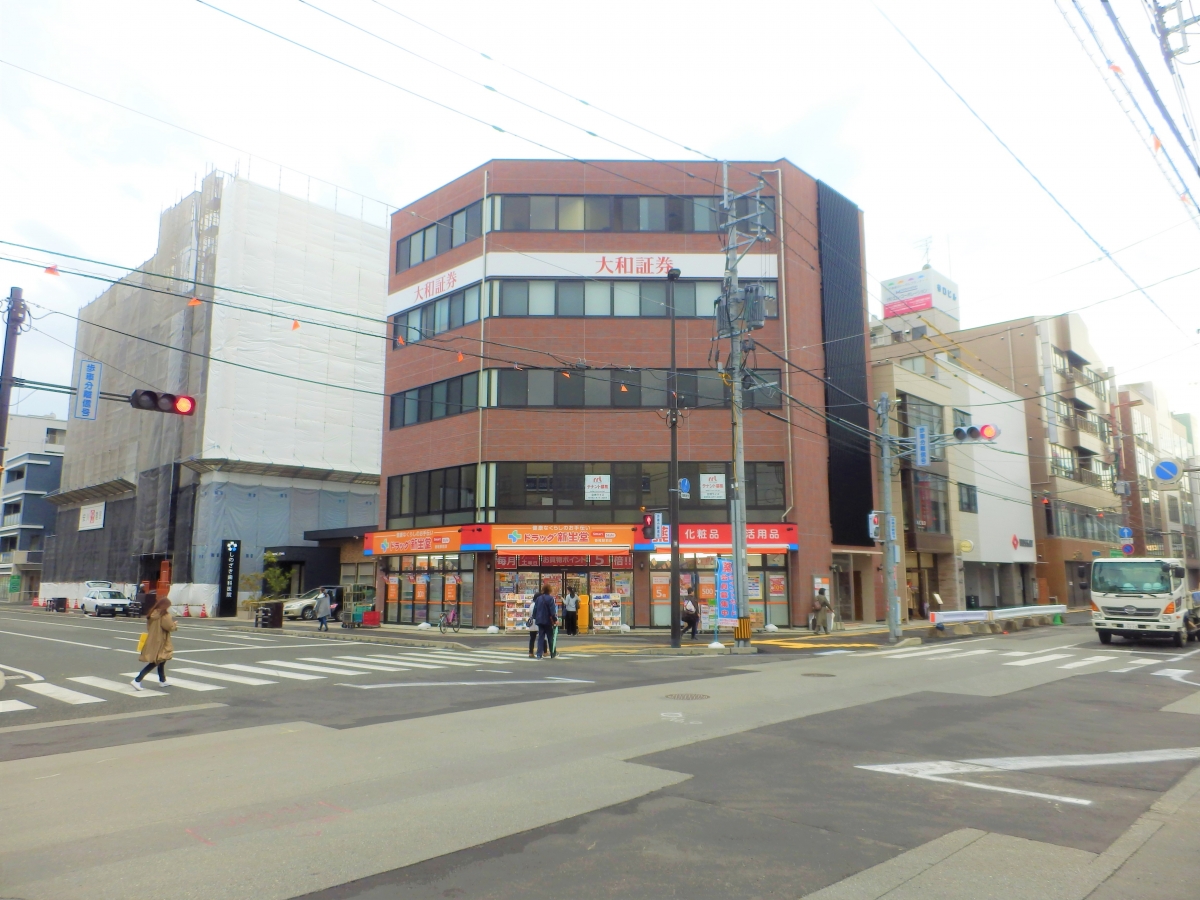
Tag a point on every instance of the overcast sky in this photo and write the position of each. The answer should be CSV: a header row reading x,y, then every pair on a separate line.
x,y
829,86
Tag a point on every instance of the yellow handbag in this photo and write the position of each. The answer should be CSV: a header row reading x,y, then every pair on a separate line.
x,y
142,642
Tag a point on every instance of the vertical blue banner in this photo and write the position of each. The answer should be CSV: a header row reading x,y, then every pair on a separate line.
x,y
87,393
726,593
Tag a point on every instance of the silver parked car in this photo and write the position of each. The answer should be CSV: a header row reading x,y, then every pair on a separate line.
x,y
106,601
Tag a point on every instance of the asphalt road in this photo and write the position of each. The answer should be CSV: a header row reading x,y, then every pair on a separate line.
x,y
474,774
317,683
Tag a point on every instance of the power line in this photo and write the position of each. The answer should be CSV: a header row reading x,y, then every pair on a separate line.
x,y
1020,162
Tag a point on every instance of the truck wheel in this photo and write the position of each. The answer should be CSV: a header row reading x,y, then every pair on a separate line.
x,y
1177,639
1105,636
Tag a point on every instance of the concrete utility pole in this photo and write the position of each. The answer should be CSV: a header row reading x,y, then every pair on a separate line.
x,y
888,525
737,315
14,315
673,475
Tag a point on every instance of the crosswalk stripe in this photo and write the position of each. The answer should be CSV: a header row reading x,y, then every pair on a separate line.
x,y
939,650
1091,660
359,663
1137,664
967,653
117,687
222,676
500,655
1033,661
62,694
446,660
185,684
278,673
406,661
14,706
308,667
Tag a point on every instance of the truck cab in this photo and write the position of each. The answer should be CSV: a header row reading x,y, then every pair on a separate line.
x,y
1143,598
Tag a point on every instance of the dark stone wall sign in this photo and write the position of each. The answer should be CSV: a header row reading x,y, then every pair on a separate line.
x,y
227,589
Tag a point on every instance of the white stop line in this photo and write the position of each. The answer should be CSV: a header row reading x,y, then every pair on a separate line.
x,y
936,770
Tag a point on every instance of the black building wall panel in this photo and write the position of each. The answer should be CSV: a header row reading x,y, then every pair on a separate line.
x,y
843,320
105,553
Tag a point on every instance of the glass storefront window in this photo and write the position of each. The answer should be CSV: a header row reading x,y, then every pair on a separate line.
x,y
427,585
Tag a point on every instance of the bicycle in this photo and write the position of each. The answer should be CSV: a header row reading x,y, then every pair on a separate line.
x,y
449,618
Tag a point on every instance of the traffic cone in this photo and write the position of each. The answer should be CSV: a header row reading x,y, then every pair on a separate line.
x,y
187,611
1058,619
204,612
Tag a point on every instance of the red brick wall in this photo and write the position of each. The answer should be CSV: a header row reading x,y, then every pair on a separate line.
x,y
617,435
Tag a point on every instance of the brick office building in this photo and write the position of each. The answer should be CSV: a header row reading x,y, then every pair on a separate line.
x,y
524,434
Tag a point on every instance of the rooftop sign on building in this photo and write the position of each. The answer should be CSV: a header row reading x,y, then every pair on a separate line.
x,y
926,289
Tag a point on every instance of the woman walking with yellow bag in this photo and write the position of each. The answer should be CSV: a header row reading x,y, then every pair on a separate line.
x,y
157,647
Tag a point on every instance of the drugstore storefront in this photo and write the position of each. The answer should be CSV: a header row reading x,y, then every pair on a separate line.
x,y
489,573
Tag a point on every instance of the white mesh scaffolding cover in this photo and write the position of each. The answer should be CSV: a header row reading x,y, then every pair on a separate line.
x,y
270,516
290,249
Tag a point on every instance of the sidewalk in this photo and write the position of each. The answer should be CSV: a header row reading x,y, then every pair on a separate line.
x,y
641,640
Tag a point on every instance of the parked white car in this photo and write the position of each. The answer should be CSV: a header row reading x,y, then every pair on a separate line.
x,y
105,601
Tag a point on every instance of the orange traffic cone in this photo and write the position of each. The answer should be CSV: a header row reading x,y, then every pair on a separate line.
x,y
187,611
204,612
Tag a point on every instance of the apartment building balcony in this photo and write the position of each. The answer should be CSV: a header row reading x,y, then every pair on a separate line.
x,y
21,557
11,519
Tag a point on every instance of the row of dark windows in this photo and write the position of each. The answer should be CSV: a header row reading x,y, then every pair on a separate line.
x,y
579,388
554,491
603,213
452,231
569,298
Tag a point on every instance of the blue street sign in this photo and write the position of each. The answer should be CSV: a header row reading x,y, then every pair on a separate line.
x,y
922,445
1124,533
684,485
87,393
1127,549
1167,470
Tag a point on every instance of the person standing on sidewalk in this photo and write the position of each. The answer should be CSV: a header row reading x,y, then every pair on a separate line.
x,y
571,611
545,614
158,648
321,611
824,609
691,616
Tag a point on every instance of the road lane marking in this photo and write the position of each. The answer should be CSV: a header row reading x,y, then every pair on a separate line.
x,y
1036,660
1177,675
308,667
277,647
38,637
259,670
14,706
937,770
62,694
908,651
172,681
550,680
221,676
117,687
1089,661
1136,664
32,676
832,652
965,654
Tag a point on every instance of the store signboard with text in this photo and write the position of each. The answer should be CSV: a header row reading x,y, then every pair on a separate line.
x,y
776,537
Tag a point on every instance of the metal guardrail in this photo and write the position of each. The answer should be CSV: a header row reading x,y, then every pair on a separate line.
x,y
962,616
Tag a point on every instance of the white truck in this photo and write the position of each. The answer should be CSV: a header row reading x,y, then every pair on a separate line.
x,y
1143,598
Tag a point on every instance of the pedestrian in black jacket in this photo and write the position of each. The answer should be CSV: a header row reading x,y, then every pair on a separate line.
x,y
545,614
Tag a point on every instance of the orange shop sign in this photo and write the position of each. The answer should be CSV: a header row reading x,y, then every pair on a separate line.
x,y
414,540
542,538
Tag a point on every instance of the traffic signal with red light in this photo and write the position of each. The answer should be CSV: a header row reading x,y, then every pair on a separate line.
x,y
967,433
177,404
648,526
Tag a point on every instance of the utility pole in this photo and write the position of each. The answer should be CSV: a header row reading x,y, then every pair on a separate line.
x,y
14,316
673,474
888,525
740,312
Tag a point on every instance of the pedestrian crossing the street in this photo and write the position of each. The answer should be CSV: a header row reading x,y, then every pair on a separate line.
x,y
201,676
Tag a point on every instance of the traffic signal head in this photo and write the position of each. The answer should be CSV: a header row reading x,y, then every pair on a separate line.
x,y
648,526
965,433
177,404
